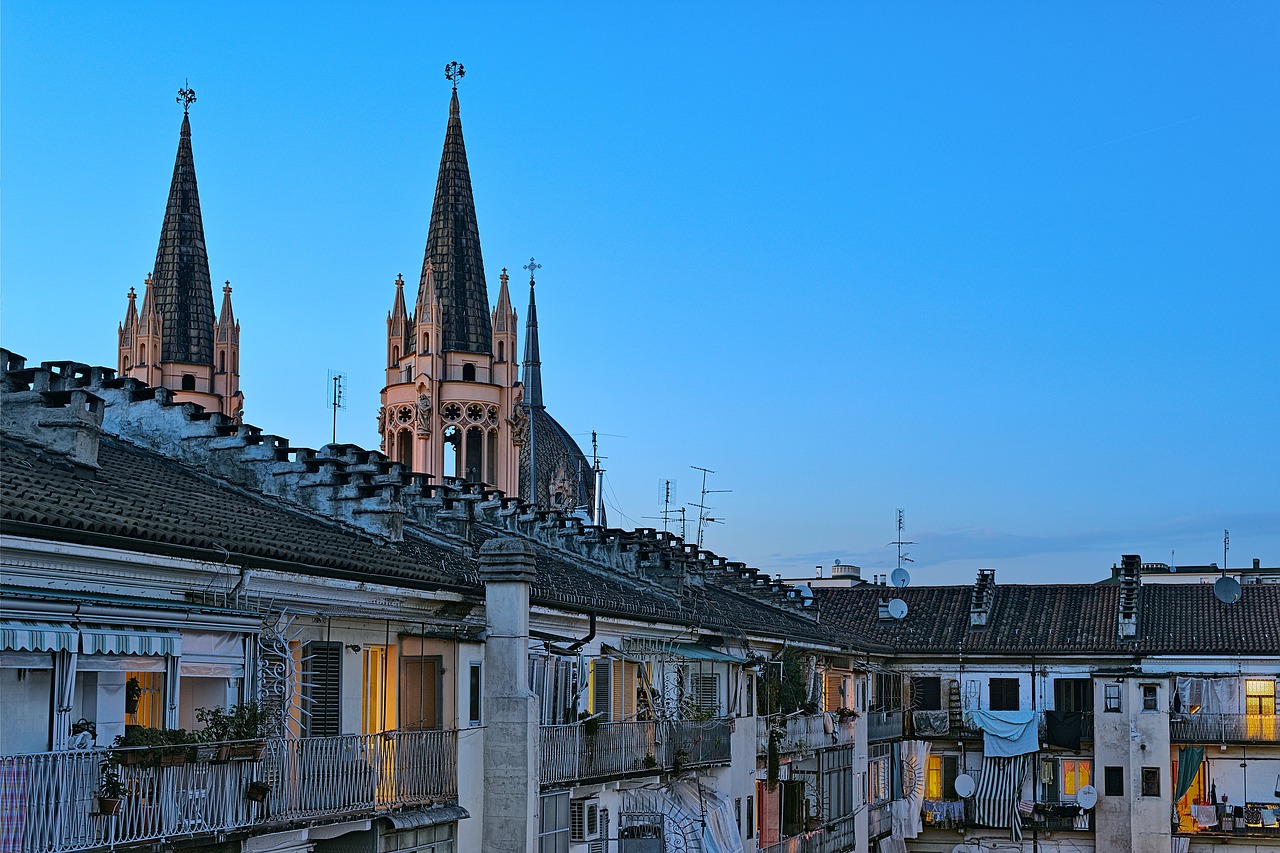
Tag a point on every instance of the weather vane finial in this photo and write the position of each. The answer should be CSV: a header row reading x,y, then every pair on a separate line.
x,y
186,96
453,72
533,266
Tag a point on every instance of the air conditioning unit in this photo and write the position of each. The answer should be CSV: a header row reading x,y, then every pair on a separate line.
x,y
584,819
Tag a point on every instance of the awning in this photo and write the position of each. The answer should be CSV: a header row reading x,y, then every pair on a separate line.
x,y
639,650
432,816
692,652
128,640
22,636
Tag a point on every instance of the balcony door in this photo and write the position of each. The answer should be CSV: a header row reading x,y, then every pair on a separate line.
x,y
421,689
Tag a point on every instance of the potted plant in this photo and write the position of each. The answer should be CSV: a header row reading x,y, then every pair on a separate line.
x,y
138,745
241,730
111,789
132,693
257,791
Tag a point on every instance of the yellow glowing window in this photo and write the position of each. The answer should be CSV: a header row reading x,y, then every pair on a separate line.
x,y
1076,773
144,693
933,778
1260,696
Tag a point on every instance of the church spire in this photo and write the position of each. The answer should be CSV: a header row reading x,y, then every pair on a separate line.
x,y
453,245
182,292
532,368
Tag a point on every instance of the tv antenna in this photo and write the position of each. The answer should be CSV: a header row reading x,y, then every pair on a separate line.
x,y
336,391
597,505
702,506
902,555
667,492
1226,546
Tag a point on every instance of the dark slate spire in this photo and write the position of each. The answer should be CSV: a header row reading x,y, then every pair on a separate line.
x,y
182,291
531,370
453,248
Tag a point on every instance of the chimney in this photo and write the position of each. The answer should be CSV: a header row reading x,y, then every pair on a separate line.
x,y
984,593
1257,564
49,406
507,569
1130,595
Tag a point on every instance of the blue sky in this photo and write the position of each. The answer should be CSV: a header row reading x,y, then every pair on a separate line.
x,y
1011,267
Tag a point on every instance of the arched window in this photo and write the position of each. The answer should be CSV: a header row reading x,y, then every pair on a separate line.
x,y
475,455
491,458
222,361
188,382
126,362
502,351
426,342
142,354
468,372
235,364
452,452
404,448
395,356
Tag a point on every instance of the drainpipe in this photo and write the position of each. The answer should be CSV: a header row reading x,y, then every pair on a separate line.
x,y
591,635
511,770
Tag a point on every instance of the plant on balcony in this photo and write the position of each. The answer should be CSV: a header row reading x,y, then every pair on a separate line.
x,y
111,789
245,724
257,791
846,714
162,746
773,764
132,694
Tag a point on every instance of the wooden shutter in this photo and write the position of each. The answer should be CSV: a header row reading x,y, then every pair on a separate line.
x,y
322,689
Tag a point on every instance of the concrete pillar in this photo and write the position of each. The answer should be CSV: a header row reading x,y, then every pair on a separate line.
x,y
510,817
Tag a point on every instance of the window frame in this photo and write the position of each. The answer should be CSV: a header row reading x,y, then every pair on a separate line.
x,y
1112,701
1005,684
1150,782
1113,781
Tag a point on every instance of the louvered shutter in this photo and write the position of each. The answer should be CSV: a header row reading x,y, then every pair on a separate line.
x,y
322,689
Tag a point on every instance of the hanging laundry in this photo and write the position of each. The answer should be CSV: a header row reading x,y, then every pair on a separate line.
x,y
1063,728
1005,733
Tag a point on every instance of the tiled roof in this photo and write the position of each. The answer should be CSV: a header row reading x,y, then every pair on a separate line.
x,y
1059,619
146,502
181,288
453,249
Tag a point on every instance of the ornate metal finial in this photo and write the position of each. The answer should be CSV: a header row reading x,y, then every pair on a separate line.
x,y
453,72
532,267
186,96
226,286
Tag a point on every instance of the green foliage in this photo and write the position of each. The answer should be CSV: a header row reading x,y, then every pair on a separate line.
x,y
110,785
784,690
246,721
773,759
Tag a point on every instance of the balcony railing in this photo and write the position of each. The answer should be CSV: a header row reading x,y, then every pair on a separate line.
x,y
51,805
933,724
880,819
802,734
835,837
1224,728
576,751
884,725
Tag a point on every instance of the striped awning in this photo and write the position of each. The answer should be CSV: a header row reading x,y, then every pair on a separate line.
x,y
128,640
19,635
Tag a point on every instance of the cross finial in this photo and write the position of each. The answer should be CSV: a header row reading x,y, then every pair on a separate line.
x,y
532,267
226,287
186,96
453,72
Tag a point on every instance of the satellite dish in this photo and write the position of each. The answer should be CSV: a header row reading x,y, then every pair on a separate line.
x,y
965,786
897,608
1227,590
1087,797
900,578
964,848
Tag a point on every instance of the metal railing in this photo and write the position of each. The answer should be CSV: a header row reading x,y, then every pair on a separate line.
x,y
930,724
576,751
51,801
880,819
836,836
1224,728
884,725
802,734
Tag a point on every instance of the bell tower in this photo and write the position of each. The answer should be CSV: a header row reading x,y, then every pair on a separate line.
x,y
451,396
174,339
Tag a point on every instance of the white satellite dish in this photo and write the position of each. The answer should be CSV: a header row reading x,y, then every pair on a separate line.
x,y
897,608
900,578
965,786
964,848
1226,590
1087,797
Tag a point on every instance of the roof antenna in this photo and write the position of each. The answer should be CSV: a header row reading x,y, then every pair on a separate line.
x,y
702,507
597,505
900,576
453,72
186,96
337,397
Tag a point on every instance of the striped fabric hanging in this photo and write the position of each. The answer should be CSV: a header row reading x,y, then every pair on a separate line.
x,y
999,791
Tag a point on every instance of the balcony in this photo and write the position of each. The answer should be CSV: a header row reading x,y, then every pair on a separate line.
x,y
939,724
1220,822
880,820
802,734
835,837
577,751
51,803
884,725
1224,728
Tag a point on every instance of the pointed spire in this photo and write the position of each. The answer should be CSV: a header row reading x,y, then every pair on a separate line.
x,y
531,370
398,309
183,294
502,313
226,317
130,324
453,250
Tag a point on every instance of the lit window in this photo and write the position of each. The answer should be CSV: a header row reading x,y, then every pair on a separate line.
x,y
1260,696
1076,773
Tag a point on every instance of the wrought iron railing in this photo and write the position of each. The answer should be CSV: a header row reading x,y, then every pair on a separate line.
x,y
835,836
576,751
880,819
884,725
51,803
930,724
803,733
1224,728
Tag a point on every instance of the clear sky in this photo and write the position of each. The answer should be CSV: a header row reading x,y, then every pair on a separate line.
x,y
1012,267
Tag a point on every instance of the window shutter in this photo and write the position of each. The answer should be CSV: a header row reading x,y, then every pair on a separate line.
x,y
602,688
322,689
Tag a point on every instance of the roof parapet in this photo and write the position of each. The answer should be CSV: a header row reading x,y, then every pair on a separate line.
x,y
51,406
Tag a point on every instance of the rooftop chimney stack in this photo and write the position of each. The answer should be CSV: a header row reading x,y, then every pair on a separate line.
x,y
1130,595
984,592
